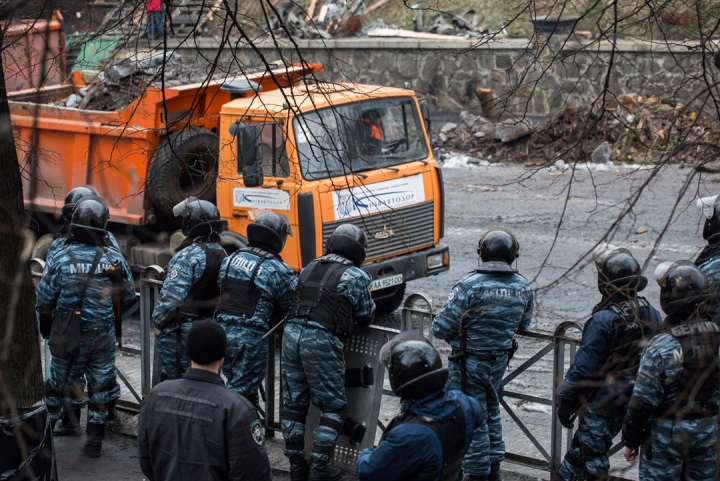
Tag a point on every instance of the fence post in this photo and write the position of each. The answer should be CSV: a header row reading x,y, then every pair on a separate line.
x,y
556,430
37,267
150,283
424,316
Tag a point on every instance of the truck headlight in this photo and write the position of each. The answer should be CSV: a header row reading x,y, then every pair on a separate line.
x,y
434,261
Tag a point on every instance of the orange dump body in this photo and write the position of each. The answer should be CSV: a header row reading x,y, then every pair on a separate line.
x,y
60,148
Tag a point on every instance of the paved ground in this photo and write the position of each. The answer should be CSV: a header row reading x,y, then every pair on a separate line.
x,y
530,203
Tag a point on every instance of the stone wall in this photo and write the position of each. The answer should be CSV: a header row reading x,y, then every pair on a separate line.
x,y
523,81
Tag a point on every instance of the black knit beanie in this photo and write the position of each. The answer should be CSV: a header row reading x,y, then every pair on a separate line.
x,y
206,342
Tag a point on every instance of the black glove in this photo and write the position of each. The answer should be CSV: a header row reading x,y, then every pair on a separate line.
x,y
566,413
45,325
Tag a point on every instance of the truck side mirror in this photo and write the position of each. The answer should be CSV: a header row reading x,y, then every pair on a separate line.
x,y
249,145
425,113
253,175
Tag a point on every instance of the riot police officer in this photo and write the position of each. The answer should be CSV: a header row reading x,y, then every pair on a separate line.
x,y
482,314
256,290
709,259
429,438
673,413
74,196
333,294
76,314
598,385
190,290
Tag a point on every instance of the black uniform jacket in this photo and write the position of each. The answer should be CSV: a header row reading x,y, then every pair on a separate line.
x,y
194,429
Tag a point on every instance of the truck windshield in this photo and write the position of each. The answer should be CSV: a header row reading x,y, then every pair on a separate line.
x,y
360,136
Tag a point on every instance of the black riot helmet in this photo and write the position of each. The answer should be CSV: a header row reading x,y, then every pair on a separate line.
x,y
348,241
269,231
684,289
498,245
414,365
89,221
199,217
712,223
619,273
73,197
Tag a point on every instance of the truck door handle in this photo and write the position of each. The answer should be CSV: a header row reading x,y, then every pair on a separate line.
x,y
239,216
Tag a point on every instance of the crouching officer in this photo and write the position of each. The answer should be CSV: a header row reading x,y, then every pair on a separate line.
x,y
74,196
483,313
333,294
75,309
429,438
673,412
190,290
256,290
599,383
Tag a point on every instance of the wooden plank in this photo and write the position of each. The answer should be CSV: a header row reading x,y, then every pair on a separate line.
x,y
400,33
311,9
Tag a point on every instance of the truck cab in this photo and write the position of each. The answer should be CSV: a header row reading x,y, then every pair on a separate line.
x,y
325,154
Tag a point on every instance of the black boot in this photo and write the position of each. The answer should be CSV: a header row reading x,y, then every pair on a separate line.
x,y
298,468
93,444
321,471
69,424
494,472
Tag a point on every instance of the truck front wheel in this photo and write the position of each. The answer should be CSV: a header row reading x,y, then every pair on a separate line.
x,y
184,165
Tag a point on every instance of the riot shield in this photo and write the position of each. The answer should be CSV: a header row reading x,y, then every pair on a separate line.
x,y
361,350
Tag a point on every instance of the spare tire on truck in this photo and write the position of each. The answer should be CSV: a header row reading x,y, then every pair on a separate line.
x,y
185,165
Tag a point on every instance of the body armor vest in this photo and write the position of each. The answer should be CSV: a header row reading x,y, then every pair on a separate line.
x,y
451,433
203,296
633,321
316,297
689,397
240,297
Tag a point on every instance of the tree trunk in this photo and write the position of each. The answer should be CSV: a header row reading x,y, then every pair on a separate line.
x,y
21,382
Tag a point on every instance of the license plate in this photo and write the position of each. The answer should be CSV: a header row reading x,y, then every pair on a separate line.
x,y
384,282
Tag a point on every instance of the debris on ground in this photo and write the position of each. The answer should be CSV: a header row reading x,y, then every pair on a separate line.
x,y
635,129
347,19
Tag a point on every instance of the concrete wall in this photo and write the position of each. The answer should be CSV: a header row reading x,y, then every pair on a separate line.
x,y
448,71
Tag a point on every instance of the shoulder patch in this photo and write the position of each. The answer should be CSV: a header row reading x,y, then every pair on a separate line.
x,y
174,273
452,294
257,432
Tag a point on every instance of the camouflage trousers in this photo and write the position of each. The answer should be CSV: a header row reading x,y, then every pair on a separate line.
x,y
245,359
680,450
487,445
313,370
95,364
587,458
170,345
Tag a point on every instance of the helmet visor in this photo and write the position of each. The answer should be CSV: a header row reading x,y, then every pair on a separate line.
x,y
288,227
182,209
707,205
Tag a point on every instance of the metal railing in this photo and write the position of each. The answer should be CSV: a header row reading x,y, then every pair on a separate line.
x,y
417,314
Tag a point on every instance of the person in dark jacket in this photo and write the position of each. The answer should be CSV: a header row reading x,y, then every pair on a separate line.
x,y
190,291
709,259
194,428
428,440
599,384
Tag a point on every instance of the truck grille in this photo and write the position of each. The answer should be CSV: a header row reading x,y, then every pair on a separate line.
x,y
411,227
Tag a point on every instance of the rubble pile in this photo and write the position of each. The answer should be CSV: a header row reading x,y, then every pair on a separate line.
x,y
632,129
124,80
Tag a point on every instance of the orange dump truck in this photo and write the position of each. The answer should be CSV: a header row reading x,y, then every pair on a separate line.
x,y
320,154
